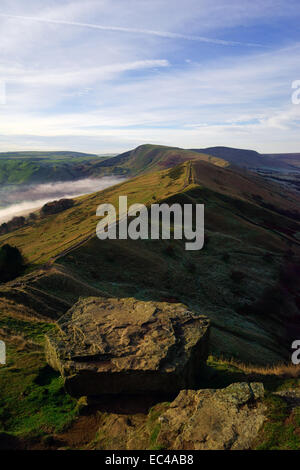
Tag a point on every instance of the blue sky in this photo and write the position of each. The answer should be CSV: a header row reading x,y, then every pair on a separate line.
x,y
108,75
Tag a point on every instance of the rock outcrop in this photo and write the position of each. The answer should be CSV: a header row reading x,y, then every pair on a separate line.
x,y
229,418
114,346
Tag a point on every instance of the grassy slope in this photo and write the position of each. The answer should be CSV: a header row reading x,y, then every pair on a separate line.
x,y
233,189
50,236
153,158
26,167
34,167
32,399
240,237
252,159
59,155
35,413
246,249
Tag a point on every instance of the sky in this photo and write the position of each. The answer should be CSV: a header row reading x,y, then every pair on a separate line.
x,y
106,76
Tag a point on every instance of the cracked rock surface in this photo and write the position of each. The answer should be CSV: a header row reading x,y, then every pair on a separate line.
x,y
228,418
114,346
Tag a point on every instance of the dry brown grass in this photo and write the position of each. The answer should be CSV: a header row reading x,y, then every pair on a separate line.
x,y
280,370
19,311
19,341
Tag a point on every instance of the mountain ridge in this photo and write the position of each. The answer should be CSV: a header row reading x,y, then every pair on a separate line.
x,y
251,240
38,167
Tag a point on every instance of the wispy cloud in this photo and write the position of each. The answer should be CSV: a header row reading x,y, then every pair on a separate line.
x,y
82,76
104,76
162,34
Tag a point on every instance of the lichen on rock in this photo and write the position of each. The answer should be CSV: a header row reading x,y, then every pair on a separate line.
x,y
115,346
209,419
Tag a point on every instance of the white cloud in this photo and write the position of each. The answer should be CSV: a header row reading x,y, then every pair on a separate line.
x,y
85,88
83,76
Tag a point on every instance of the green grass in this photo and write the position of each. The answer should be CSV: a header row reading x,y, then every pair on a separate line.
x,y
32,397
154,436
154,426
149,157
50,236
41,167
33,167
163,269
282,429
60,155
29,330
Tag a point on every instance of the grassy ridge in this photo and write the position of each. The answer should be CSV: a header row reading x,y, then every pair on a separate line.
x,y
50,236
237,280
247,195
154,158
36,167
243,270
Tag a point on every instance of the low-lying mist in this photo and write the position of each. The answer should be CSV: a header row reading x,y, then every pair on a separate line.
x,y
25,199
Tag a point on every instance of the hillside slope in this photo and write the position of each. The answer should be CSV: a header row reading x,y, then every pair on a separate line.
x,y
19,168
38,167
290,158
23,168
251,158
148,157
245,278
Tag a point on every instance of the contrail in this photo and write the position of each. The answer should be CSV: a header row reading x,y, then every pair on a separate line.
x,y
163,34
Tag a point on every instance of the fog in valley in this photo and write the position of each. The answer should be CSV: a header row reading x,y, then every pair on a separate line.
x,y
25,199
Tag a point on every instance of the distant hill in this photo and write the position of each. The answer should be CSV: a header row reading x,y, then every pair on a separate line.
x,y
42,167
149,157
155,157
289,158
250,158
56,155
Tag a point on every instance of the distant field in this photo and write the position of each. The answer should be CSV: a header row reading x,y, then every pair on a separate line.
x,y
46,155
40,167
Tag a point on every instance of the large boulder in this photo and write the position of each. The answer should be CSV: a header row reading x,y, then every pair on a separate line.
x,y
113,346
223,419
